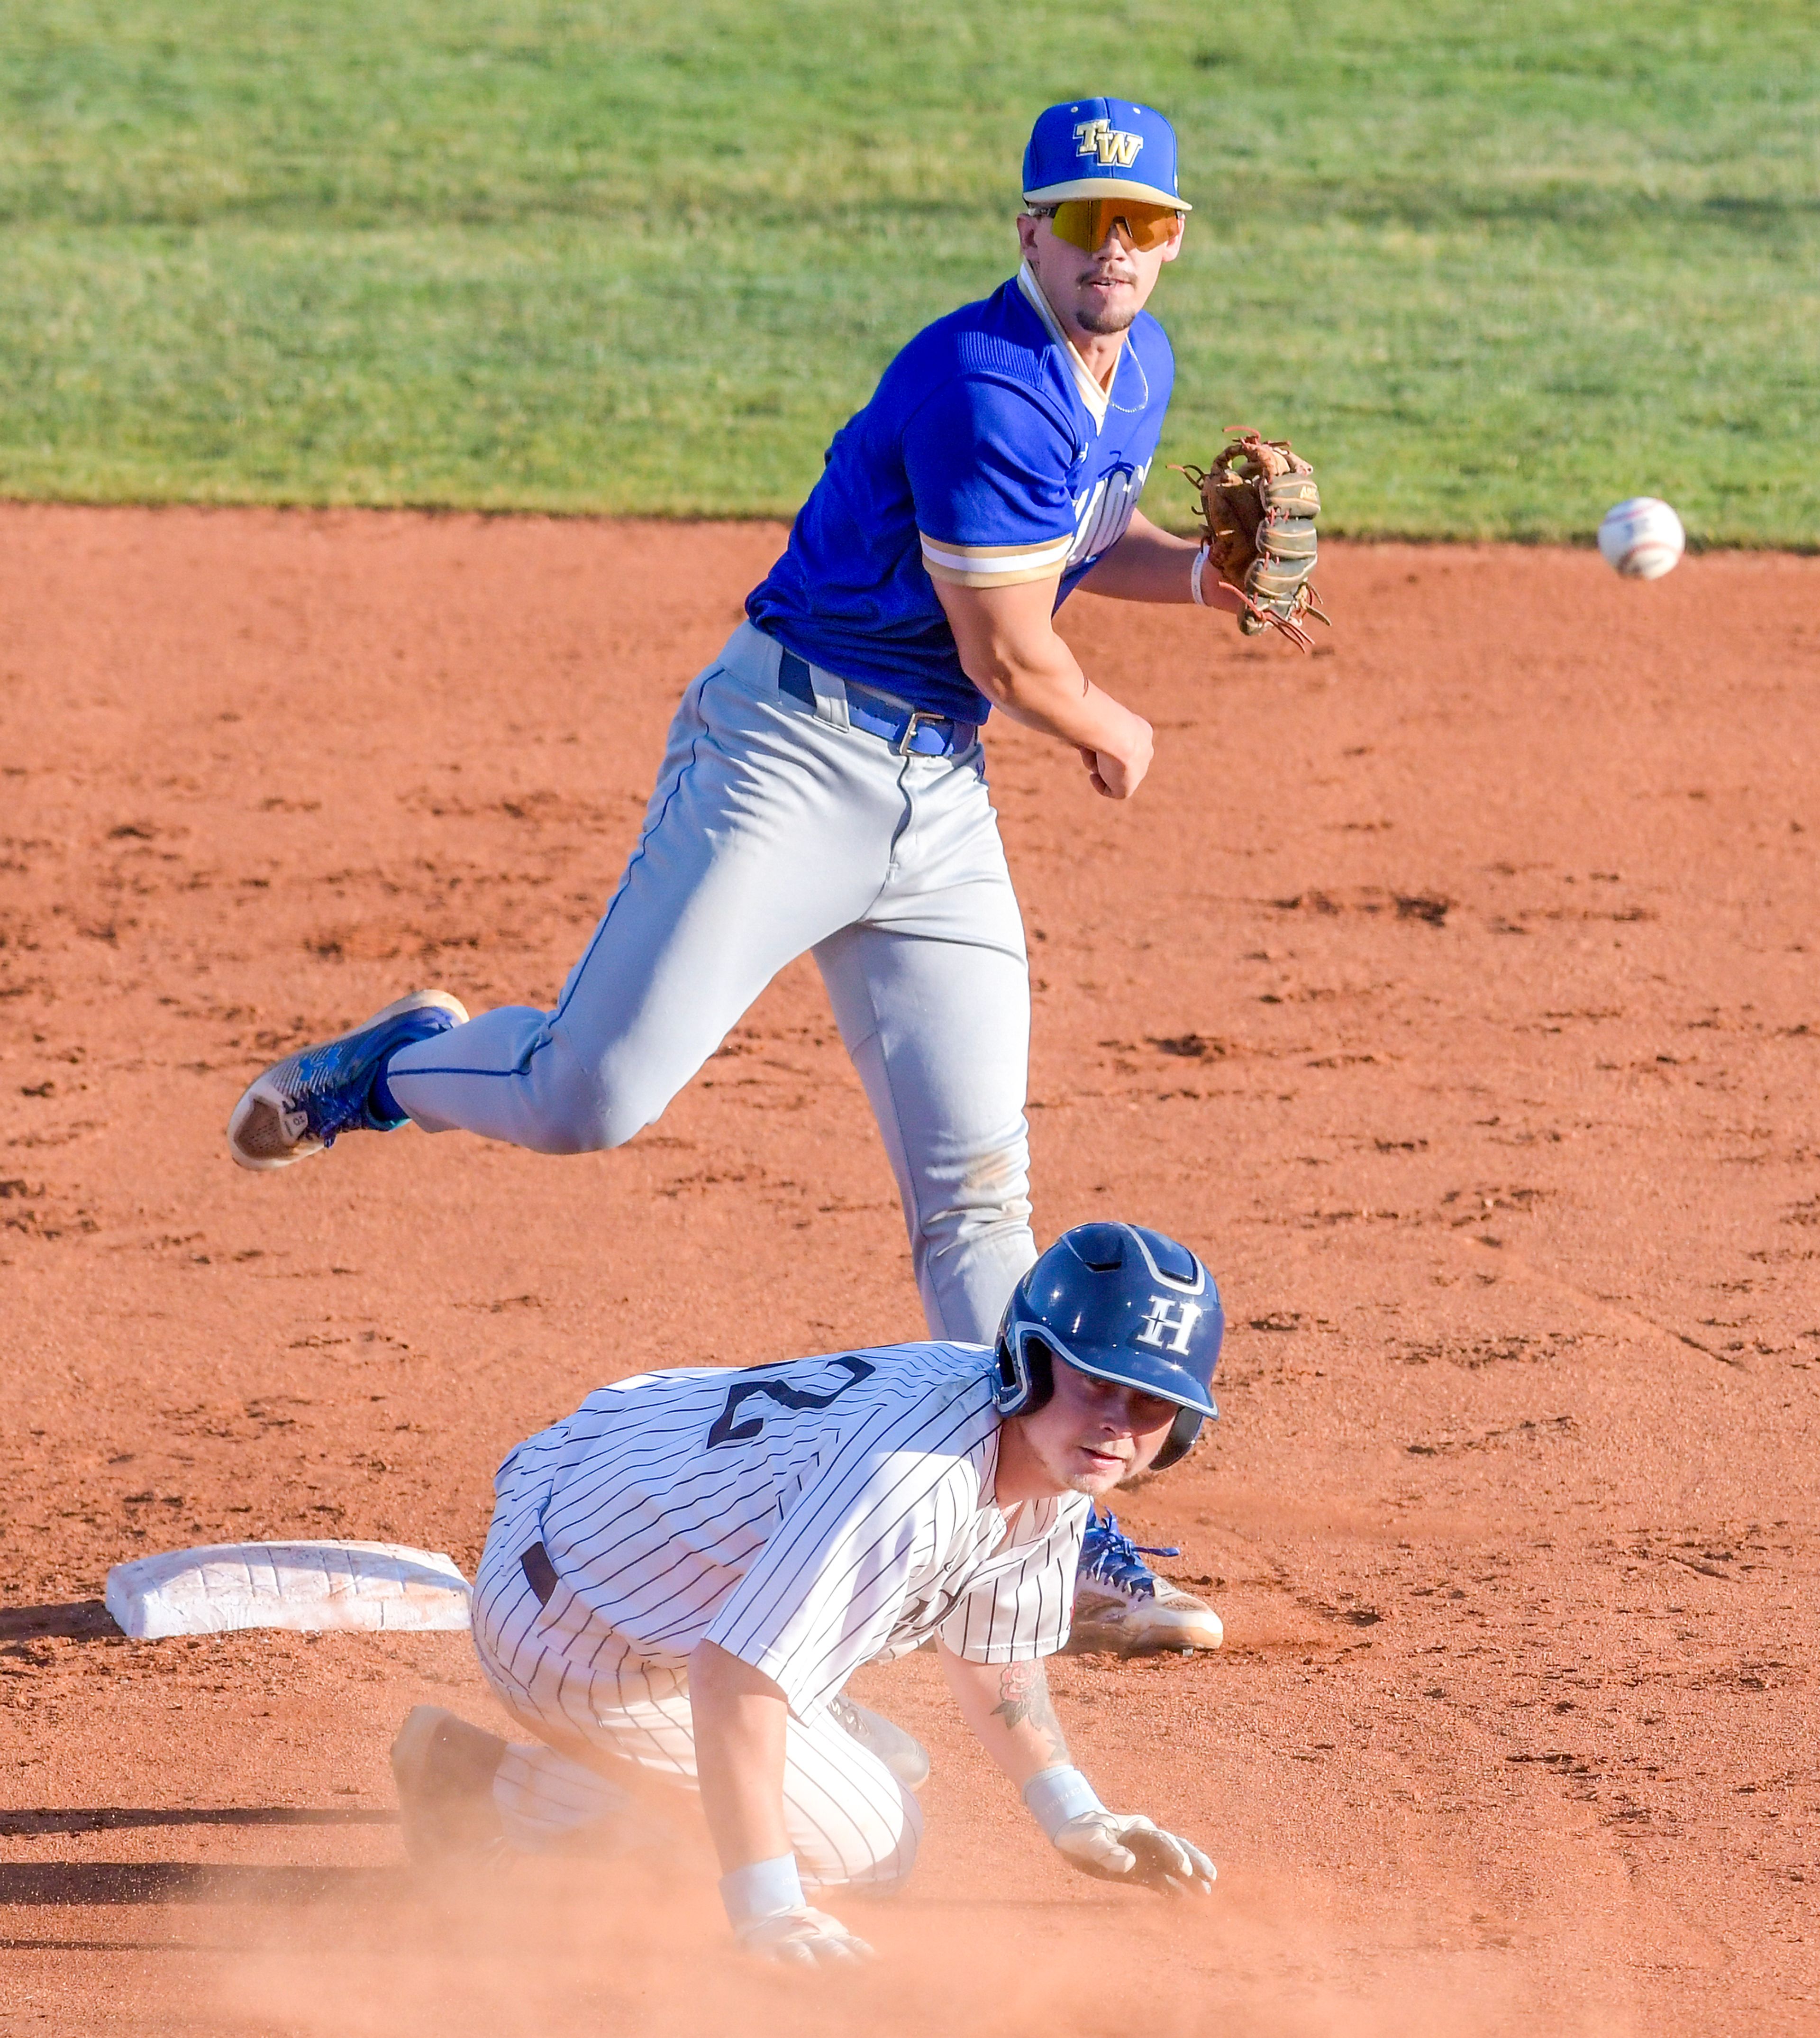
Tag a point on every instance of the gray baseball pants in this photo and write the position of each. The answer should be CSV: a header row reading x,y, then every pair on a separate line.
x,y
773,831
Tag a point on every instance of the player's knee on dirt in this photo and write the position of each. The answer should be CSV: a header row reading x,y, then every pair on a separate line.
x,y
868,1852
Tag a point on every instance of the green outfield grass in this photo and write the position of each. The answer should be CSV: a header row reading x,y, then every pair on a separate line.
x,y
1493,266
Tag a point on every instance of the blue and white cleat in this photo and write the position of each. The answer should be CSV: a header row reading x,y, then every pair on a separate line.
x,y
1120,1603
303,1104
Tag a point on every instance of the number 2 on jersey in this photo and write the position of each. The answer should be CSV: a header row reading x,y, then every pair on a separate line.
x,y
729,1429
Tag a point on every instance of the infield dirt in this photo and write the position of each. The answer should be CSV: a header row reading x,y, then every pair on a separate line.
x,y
1454,991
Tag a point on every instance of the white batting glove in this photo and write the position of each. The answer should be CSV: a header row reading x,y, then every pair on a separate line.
x,y
1121,1848
803,1938
773,1922
1116,1846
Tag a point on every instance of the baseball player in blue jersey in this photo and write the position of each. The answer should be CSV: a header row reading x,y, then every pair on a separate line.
x,y
681,1577
824,785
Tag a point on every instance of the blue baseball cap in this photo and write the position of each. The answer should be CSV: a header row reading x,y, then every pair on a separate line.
x,y
1101,148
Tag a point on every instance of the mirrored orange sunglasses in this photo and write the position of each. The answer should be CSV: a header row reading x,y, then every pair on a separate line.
x,y
1084,222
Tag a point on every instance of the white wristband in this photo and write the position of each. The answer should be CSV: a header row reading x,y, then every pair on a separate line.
x,y
762,1889
1195,572
1057,1795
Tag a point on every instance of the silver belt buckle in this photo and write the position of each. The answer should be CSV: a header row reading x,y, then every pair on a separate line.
x,y
902,746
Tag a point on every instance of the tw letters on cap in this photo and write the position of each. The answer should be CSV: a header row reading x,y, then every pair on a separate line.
x,y
1114,149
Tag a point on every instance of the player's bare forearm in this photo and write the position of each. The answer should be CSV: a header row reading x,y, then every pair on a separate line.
x,y
1007,1705
740,1719
1150,565
1008,648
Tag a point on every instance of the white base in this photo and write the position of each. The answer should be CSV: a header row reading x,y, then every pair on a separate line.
x,y
304,1585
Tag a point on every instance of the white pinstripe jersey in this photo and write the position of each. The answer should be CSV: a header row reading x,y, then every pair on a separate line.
x,y
808,1517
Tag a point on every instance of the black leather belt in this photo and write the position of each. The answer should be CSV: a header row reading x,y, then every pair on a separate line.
x,y
540,1573
912,730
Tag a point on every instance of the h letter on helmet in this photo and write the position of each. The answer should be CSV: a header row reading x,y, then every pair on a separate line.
x,y
1118,1302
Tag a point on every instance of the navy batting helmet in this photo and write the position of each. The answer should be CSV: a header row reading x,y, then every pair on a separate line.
x,y
1121,1303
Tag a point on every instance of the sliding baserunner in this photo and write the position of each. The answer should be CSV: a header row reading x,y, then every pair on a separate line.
x,y
681,1577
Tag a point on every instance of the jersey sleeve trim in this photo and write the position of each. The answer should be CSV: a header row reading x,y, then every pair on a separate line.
x,y
994,566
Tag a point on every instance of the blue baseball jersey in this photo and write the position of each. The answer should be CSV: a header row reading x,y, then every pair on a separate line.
x,y
989,455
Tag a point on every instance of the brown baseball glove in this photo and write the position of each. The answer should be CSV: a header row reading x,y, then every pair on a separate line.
x,y
1258,501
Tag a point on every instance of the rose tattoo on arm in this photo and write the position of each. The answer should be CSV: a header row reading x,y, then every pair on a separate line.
x,y
1023,1695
